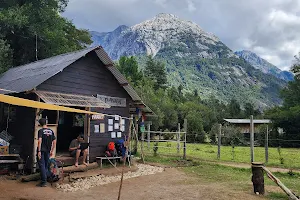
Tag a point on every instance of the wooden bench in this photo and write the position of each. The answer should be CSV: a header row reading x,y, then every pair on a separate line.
x,y
107,158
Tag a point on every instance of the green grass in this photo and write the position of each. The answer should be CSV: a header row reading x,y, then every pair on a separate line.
x,y
235,178
291,157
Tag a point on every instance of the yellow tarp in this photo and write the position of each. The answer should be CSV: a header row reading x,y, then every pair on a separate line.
x,y
35,104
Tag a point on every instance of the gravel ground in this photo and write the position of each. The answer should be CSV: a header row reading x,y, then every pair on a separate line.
x,y
87,183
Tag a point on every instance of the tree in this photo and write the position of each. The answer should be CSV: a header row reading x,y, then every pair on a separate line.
x,y
296,67
288,115
196,93
249,109
290,94
128,66
234,108
156,71
27,26
180,88
5,56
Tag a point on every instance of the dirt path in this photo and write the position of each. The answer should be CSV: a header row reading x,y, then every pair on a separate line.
x,y
170,184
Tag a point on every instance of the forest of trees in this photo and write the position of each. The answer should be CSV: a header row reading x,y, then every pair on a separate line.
x,y
172,106
34,29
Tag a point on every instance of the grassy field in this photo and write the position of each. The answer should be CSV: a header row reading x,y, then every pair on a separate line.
x,y
290,158
238,179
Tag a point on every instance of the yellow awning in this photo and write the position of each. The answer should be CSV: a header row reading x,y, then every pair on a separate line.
x,y
35,104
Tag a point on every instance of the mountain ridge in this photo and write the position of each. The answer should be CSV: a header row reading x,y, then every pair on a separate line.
x,y
194,58
263,65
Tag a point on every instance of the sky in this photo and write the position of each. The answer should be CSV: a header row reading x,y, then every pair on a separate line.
x,y
269,28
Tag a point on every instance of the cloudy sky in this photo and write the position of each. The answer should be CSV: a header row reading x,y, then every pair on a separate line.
x,y
270,28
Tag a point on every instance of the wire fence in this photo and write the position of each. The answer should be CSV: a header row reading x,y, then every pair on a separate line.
x,y
174,144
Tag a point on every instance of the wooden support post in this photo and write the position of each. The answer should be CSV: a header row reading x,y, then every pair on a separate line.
x,y
35,139
291,195
184,144
178,139
267,144
219,141
252,138
148,136
135,147
159,137
258,178
143,139
88,133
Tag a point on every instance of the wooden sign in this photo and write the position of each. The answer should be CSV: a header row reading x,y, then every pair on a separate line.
x,y
97,117
113,101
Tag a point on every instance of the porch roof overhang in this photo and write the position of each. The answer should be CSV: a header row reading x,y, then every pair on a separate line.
x,y
64,99
35,104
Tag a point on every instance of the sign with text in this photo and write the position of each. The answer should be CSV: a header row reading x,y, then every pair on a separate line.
x,y
113,101
96,117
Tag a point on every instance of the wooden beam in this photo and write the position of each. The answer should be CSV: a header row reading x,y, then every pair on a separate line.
x,y
109,65
124,84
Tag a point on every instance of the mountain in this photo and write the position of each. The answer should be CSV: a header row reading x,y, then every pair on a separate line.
x,y
194,58
264,66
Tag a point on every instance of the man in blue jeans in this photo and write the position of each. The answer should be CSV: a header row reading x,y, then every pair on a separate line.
x,y
46,145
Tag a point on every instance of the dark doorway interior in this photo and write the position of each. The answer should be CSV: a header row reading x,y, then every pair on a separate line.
x,y
70,125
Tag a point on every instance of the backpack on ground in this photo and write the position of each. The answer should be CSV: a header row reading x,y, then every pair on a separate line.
x,y
120,148
53,171
111,150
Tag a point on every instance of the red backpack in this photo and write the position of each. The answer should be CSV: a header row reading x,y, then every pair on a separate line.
x,y
111,146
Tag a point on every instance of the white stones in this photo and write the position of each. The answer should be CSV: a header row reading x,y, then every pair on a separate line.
x,y
87,183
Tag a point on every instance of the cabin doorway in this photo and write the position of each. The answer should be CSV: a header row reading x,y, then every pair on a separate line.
x,y
69,126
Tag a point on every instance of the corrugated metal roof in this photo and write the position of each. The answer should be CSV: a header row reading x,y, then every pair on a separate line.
x,y
247,121
29,76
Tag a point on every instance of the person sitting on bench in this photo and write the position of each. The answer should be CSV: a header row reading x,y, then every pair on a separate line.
x,y
78,148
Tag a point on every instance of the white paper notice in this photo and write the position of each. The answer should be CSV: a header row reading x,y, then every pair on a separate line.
x,y
102,128
110,128
117,126
113,134
119,134
117,117
96,129
123,121
122,128
110,121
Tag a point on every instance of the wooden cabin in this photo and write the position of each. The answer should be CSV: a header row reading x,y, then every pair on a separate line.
x,y
85,79
244,124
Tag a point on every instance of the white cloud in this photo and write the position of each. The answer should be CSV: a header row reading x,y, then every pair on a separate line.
x,y
270,28
191,6
161,2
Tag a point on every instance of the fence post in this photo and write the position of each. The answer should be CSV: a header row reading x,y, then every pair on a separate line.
x,y
258,178
184,144
148,136
267,144
219,141
159,137
252,138
143,139
178,139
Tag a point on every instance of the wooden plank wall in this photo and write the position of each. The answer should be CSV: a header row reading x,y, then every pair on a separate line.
x,y
89,76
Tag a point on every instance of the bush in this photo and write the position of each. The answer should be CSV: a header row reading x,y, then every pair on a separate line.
x,y
168,136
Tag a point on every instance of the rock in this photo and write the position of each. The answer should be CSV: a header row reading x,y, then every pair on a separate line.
x,y
87,183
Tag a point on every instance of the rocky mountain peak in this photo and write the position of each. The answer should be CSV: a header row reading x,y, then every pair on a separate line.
x,y
195,59
263,65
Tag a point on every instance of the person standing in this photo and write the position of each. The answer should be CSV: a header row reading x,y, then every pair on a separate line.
x,y
46,146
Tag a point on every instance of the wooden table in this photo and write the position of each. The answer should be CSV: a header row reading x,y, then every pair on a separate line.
x,y
107,158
